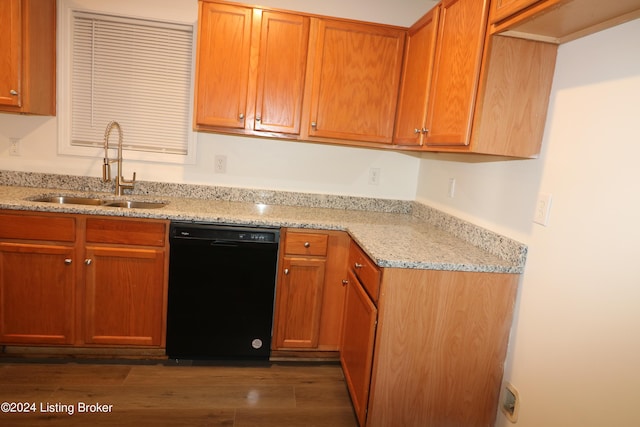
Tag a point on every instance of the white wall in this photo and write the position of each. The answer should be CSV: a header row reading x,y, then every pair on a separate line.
x,y
575,349
251,162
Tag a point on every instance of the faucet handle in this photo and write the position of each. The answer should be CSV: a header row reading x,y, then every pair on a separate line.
x,y
127,182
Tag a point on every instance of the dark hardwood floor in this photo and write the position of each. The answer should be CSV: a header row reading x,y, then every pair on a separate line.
x,y
63,393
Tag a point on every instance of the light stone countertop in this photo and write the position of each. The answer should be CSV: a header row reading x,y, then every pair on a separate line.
x,y
391,239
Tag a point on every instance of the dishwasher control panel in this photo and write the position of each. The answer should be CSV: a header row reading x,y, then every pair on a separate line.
x,y
228,233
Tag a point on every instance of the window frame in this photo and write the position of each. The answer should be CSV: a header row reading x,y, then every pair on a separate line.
x,y
64,83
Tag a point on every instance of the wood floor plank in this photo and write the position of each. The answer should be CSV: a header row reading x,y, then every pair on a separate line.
x,y
62,373
280,395
179,396
322,396
275,374
318,417
139,418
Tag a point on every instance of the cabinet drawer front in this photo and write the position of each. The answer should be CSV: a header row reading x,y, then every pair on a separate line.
x,y
306,244
37,227
365,270
126,231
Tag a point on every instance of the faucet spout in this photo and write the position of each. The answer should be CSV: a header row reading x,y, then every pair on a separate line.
x,y
120,182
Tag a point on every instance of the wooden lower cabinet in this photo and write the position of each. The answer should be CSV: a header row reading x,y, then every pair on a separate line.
x,y
425,348
82,281
37,283
358,337
300,290
310,291
440,346
123,301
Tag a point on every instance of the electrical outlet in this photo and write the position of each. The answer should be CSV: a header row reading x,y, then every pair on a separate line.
x,y
374,176
510,402
14,146
220,163
452,187
543,208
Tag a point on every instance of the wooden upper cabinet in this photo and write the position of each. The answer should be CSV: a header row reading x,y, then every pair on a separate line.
x,y
559,21
281,71
513,97
10,55
501,9
487,94
250,69
222,65
419,53
28,56
356,77
452,97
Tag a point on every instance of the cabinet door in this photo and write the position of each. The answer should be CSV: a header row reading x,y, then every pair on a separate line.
x,y
502,9
10,48
356,78
222,70
356,351
124,296
299,302
416,80
282,64
37,297
28,56
456,71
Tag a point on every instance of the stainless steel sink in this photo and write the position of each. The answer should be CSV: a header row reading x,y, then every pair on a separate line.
x,y
95,201
133,204
64,200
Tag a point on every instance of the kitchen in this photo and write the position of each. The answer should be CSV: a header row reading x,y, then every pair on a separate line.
x,y
572,340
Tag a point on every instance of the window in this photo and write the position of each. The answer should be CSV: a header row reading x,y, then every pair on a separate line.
x,y
135,71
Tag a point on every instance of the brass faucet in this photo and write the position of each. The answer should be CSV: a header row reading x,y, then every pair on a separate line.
x,y
121,183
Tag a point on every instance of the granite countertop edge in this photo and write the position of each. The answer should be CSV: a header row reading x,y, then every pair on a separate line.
x,y
395,239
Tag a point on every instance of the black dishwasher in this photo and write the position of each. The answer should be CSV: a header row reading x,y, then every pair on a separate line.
x,y
221,291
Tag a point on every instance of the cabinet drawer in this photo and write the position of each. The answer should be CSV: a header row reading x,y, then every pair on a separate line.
x,y
309,244
38,227
126,231
365,270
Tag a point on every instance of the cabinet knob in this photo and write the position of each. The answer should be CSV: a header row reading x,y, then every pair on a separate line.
x,y
68,261
345,282
258,118
416,130
286,271
88,261
357,265
13,92
425,130
241,116
307,244
314,125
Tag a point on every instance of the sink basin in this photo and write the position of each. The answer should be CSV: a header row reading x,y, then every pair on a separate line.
x,y
94,201
133,204
63,200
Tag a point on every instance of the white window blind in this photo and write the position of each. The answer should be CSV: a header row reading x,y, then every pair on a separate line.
x,y
134,71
